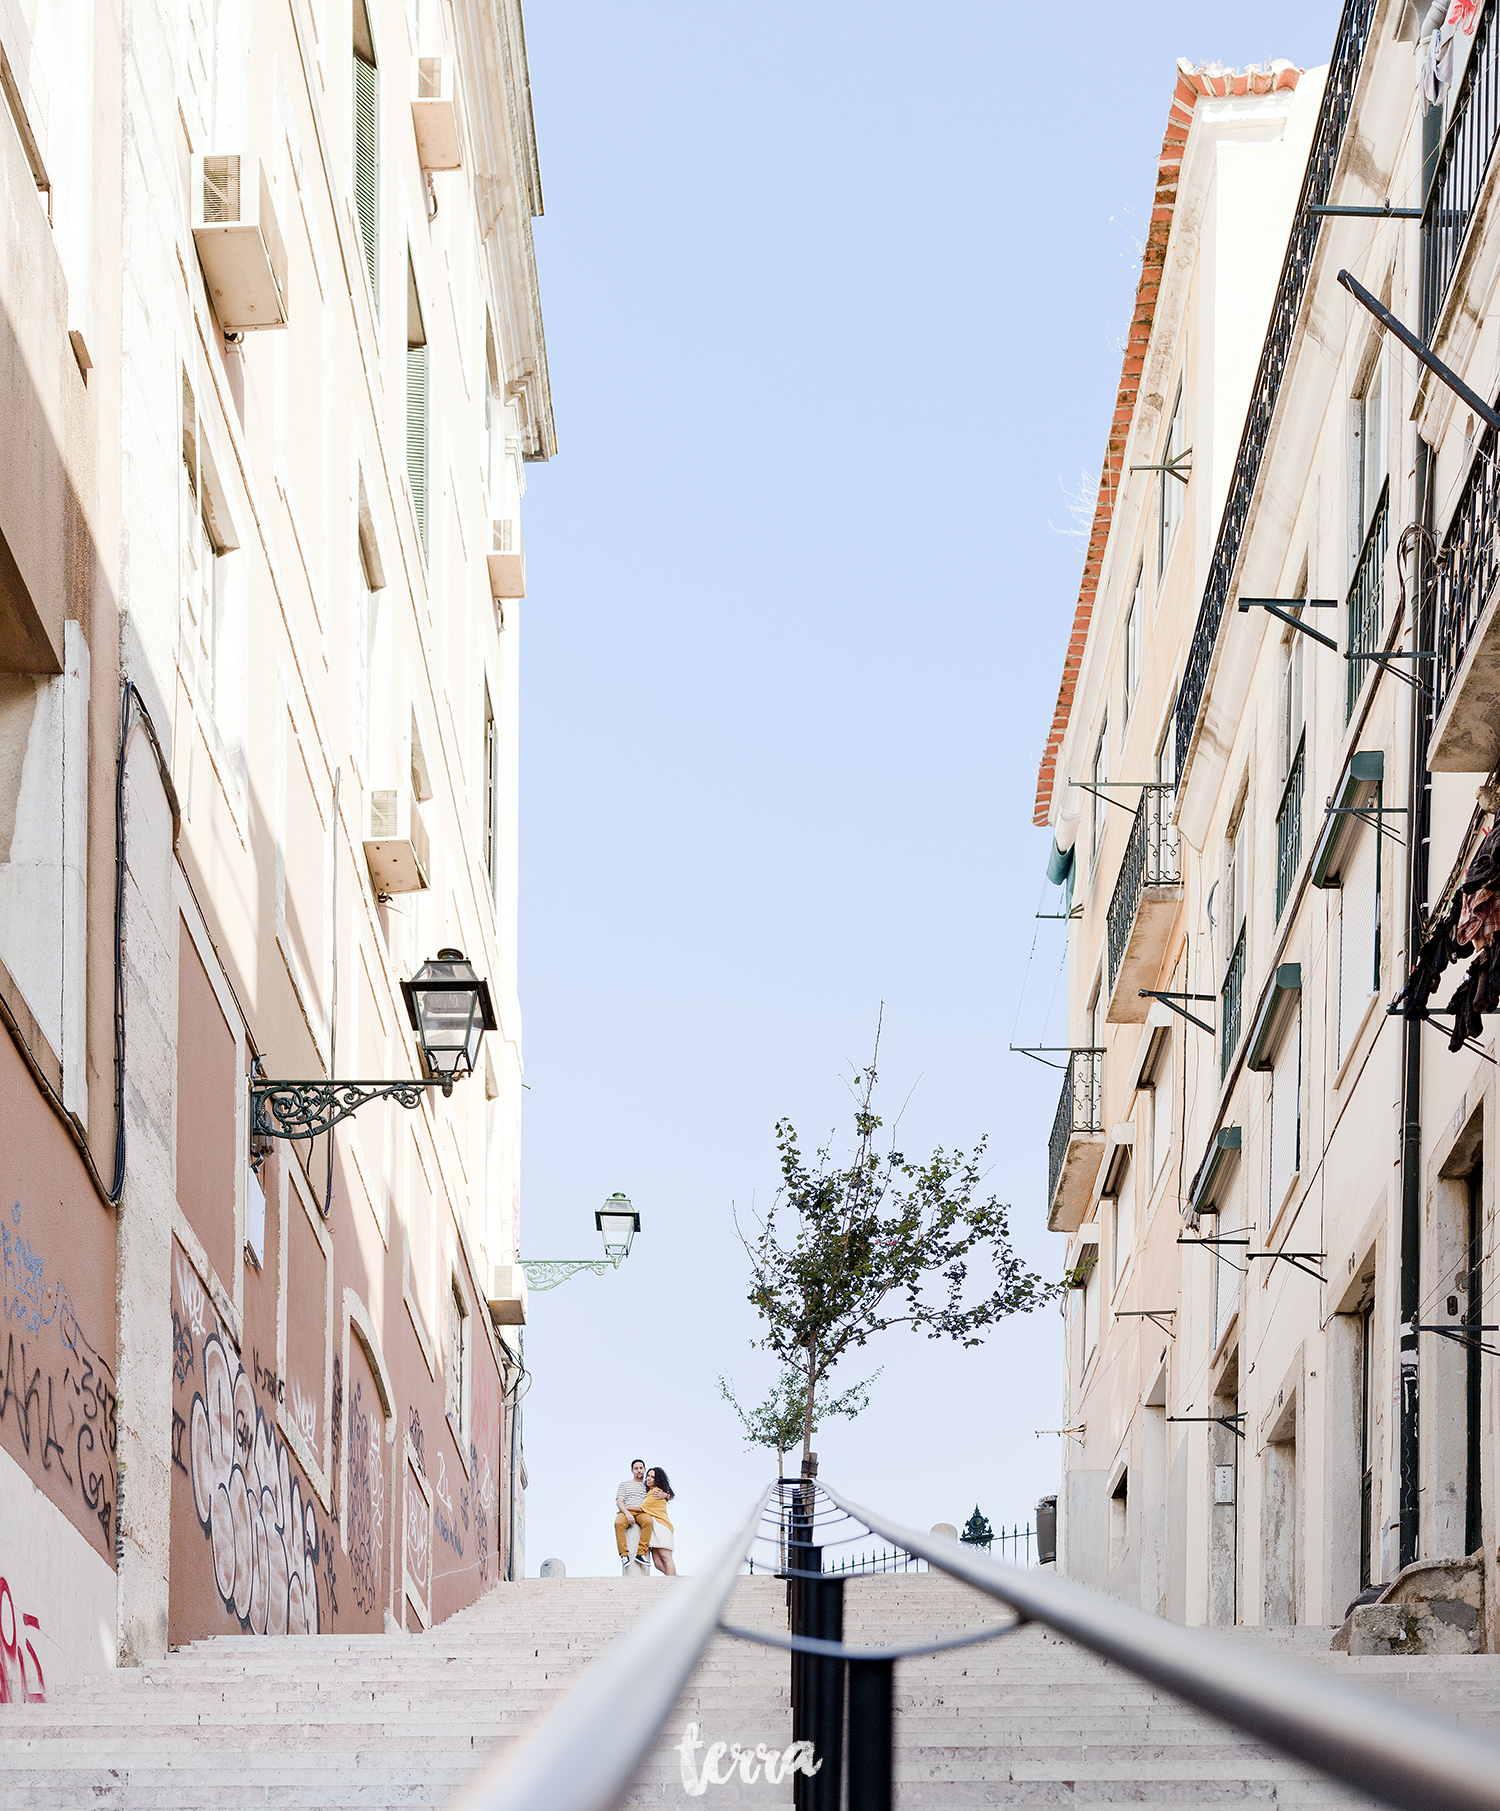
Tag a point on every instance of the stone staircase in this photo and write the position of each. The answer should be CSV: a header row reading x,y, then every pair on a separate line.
x,y
367,1721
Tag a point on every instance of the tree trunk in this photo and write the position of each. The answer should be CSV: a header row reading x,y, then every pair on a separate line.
x,y
807,1412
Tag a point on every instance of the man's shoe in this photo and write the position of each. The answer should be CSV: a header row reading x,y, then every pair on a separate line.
x,y
625,1564
644,1564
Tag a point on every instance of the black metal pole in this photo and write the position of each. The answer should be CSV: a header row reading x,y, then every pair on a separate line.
x,y
1419,798
871,1734
825,1684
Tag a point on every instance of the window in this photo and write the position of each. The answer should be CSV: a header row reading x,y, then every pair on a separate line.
x,y
1121,1226
205,546
1099,780
1359,937
494,418
1286,1117
1367,452
367,144
1096,1015
1366,1439
1134,619
1161,1109
458,1361
491,795
1227,1266
361,661
1169,488
416,403
1291,719
1235,882
1166,751
1090,1316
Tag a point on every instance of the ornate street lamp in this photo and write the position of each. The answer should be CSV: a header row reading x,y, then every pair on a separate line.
x,y
450,1012
617,1223
977,1531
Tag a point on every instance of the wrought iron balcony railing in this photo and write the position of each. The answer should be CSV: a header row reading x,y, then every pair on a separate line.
x,y
1467,568
1152,859
1364,605
1233,995
1289,827
1291,288
1079,1109
1461,165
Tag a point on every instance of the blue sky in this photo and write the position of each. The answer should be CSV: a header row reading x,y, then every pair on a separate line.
x,y
834,297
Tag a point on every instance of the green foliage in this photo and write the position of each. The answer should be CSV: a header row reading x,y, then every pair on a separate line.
x,y
850,1249
778,1422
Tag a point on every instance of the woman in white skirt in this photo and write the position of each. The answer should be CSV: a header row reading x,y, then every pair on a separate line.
x,y
658,1494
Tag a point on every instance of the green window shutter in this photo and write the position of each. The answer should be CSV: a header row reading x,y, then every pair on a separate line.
x,y
367,165
416,434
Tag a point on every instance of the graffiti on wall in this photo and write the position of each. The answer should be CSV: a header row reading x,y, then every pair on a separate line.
x,y
366,1505
484,1458
418,1540
57,1395
21,1680
262,1531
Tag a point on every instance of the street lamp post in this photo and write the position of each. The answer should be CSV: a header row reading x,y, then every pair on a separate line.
x,y
450,1012
617,1223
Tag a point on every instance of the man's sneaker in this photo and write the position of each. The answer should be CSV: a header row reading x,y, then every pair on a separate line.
x,y
644,1564
625,1567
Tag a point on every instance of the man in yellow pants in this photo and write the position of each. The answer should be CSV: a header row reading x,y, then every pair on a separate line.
x,y
628,1500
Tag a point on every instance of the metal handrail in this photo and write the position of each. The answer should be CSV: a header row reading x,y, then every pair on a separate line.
x,y
1459,175
1152,859
583,1756
1083,1088
1397,1753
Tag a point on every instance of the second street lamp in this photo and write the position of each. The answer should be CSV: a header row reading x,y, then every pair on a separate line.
x,y
617,1223
450,1012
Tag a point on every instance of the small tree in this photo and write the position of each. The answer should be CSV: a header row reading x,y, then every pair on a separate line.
x,y
866,1231
780,1420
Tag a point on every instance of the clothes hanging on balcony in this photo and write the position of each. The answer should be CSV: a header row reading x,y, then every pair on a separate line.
x,y
1441,949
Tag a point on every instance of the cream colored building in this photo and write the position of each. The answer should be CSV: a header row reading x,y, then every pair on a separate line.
x,y
276,338
1238,1408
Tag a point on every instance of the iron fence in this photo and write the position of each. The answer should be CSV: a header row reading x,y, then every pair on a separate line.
x,y
1289,826
1233,993
888,1559
1467,568
1461,165
1364,605
1079,1109
1151,860
1317,183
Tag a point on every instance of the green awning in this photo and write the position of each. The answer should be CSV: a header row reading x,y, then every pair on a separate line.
x,y
1359,791
1276,1008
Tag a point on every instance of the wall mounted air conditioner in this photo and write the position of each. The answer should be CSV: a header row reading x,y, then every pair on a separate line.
x,y
239,242
434,114
396,849
507,558
507,1295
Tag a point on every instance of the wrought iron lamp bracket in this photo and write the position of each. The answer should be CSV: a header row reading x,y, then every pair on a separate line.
x,y
309,1109
1229,1421
1294,1258
1172,1002
547,1273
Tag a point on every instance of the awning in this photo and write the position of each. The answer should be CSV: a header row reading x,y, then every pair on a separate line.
x,y
1276,1009
1215,1170
1359,791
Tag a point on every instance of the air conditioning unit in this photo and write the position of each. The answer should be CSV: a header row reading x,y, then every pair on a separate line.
x,y
507,1296
396,848
507,558
434,114
239,242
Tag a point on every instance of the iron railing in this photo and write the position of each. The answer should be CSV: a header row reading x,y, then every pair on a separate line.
x,y
1467,568
1289,827
888,1559
1460,171
1233,995
1151,859
584,1755
1317,183
1364,604
1079,1109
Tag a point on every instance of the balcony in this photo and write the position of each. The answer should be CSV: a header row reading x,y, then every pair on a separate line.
x,y
1466,673
1233,996
1077,1144
1146,897
1286,308
1364,605
1289,827
1461,167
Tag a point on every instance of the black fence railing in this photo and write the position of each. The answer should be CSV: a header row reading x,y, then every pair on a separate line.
x,y
1459,174
1289,827
1364,604
888,1559
1233,996
1317,184
1151,860
1079,1109
1467,568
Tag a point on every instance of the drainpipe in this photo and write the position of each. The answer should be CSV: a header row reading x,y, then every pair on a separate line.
x,y
1419,800
515,1442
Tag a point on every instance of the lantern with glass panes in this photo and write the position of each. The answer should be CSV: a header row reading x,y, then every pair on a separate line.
x,y
616,1222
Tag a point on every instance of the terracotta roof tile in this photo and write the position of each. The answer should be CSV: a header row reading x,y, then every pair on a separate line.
x,y
1193,83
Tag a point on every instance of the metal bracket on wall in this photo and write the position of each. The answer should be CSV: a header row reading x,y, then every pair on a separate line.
x,y
1170,1000
1458,1332
1229,1421
1158,1317
1415,346
1294,1259
1383,212
1172,467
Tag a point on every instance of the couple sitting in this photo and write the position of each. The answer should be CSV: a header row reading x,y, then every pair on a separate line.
x,y
642,1503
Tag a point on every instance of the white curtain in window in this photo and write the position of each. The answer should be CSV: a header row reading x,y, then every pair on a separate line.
x,y
1226,1263
1359,906
1090,1315
1161,1112
1122,1225
1286,1115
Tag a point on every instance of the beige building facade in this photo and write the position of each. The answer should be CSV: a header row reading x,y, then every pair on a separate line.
x,y
275,340
1269,1165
